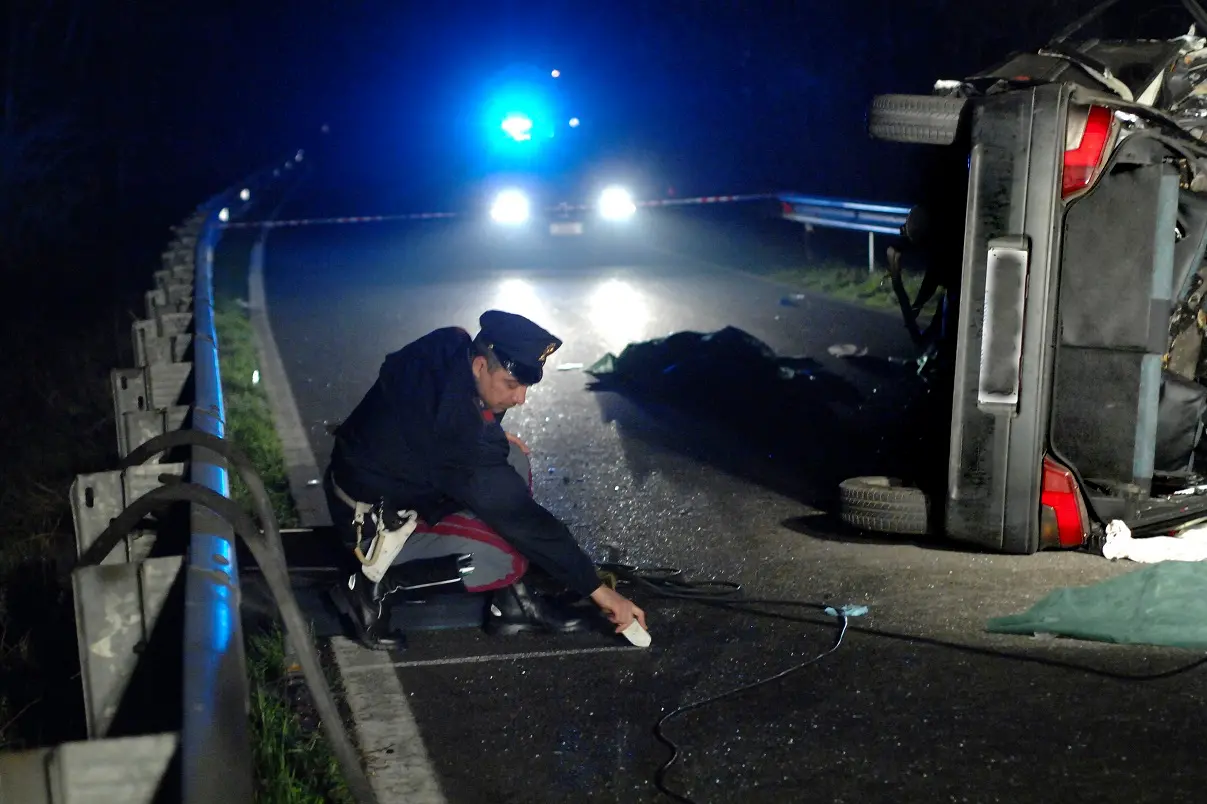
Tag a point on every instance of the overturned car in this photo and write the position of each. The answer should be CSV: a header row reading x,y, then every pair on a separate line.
x,y
1074,338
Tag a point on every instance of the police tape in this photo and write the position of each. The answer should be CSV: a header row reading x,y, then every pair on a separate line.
x,y
412,216
706,199
421,216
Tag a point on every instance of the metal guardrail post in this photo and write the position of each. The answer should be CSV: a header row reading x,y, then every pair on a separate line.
x,y
167,717
158,624
127,606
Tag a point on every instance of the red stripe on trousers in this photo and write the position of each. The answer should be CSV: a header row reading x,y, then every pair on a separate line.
x,y
476,530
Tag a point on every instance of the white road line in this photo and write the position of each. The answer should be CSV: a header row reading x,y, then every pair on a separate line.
x,y
399,766
498,657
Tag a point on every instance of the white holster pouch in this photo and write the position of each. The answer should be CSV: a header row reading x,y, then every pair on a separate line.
x,y
386,544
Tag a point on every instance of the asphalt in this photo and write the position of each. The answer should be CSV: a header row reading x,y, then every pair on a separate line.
x,y
933,708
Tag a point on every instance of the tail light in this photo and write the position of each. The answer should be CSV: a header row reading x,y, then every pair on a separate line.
x,y
1063,516
1090,132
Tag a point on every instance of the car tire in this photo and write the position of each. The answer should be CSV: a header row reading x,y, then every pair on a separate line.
x,y
917,119
884,505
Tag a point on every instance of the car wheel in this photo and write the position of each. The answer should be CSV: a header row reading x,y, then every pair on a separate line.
x,y
884,505
918,119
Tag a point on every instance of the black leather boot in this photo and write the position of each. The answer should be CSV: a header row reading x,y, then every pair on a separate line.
x,y
515,610
367,604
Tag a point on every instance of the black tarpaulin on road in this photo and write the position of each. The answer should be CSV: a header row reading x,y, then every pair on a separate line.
x,y
717,369
791,410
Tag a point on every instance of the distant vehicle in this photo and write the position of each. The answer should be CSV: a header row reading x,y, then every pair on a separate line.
x,y
1074,345
542,174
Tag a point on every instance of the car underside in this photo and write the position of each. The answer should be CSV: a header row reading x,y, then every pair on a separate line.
x,y
1075,355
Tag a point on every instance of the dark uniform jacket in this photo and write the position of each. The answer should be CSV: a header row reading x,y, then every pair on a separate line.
x,y
421,440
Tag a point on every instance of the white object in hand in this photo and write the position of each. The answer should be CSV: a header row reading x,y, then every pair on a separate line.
x,y
637,635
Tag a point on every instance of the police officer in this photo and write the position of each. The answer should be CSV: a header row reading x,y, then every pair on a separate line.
x,y
427,438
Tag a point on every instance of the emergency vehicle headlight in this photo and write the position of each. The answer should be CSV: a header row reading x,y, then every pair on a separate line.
x,y
510,208
615,204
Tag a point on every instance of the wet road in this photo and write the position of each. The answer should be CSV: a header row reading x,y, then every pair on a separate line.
x,y
882,719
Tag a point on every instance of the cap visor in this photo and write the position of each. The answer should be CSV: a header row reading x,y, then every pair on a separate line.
x,y
528,375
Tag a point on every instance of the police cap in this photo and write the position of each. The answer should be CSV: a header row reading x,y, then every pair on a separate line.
x,y
520,345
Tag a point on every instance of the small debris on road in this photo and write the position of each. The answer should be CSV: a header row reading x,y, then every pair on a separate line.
x,y
847,350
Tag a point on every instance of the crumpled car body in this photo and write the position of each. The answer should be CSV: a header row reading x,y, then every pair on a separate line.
x,y
1076,364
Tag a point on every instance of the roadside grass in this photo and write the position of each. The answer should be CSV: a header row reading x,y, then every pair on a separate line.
x,y
848,282
293,761
248,417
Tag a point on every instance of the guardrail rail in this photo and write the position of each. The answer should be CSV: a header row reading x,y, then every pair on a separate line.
x,y
161,649
837,213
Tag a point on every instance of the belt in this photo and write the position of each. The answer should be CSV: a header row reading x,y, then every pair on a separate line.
x,y
344,497
359,509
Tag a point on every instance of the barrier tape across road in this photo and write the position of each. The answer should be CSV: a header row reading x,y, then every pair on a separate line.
x,y
416,216
419,216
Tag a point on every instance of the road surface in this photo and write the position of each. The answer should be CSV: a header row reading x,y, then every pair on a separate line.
x,y
881,719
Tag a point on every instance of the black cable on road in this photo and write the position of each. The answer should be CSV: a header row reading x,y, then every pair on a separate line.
x,y
660,774
669,583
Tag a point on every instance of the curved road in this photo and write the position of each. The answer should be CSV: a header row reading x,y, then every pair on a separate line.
x,y
882,718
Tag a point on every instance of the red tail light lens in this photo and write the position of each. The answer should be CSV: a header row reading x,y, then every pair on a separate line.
x,y
1085,147
1064,519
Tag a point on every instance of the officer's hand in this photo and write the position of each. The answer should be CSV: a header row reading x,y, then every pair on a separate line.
x,y
618,608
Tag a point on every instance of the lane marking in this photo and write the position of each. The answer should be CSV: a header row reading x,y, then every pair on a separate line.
x,y
495,657
400,766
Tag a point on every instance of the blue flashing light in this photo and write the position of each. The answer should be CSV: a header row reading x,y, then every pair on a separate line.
x,y
521,115
518,127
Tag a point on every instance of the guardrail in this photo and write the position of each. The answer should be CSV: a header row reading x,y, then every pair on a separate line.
x,y
157,618
836,213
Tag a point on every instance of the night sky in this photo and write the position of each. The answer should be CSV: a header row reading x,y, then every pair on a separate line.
x,y
155,106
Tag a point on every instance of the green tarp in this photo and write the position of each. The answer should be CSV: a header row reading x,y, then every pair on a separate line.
x,y
1160,604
